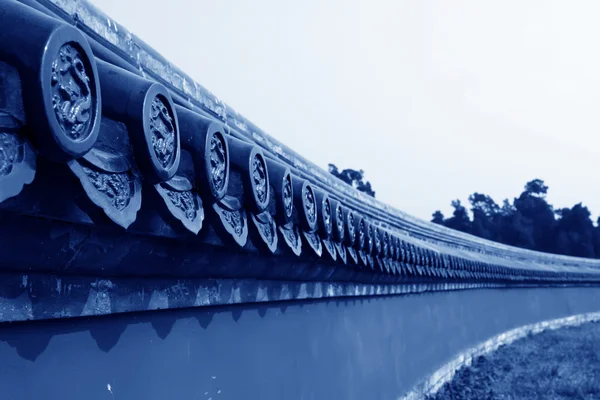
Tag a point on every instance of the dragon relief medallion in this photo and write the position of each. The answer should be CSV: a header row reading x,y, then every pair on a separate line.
x,y
117,187
385,244
351,231
327,217
287,196
339,219
309,205
361,233
11,152
162,128
218,160
377,241
72,96
259,178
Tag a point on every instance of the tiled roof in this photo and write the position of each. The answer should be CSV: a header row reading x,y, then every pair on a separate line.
x,y
116,165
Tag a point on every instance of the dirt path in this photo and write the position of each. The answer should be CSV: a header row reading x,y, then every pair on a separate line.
x,y
561,364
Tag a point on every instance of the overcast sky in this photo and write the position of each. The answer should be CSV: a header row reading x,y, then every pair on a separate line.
x,y
433,99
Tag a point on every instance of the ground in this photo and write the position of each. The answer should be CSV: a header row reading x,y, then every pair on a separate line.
x,y
560,364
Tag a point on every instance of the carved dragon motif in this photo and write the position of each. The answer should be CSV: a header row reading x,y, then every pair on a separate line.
x,y
291,235
117,187
361,233
259,178
185,201
314,241
309,204
327,217
234,219
339,219
163,131
217,162
11,152
287,196
266,229
71,93
351,230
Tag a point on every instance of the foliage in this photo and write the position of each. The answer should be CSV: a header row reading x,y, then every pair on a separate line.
x,y
529,222
353,178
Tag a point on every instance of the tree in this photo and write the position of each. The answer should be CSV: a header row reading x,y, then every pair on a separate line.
x,y
353,178
515,230
529,222
485,214
596,238
533,206
512,228
484,204
437,218
574,233
536,187
460,218
366,188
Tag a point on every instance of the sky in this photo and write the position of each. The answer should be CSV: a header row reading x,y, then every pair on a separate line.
x,y
433,99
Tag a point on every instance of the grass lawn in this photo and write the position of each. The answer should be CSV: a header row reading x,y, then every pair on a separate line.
x,y
560,364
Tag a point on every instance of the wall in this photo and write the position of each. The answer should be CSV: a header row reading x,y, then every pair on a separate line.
x,y
371,348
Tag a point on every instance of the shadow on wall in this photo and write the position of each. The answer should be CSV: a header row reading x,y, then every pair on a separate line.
x,y
30,339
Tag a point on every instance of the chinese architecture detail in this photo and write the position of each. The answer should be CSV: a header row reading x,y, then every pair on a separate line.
x,y
259,178
163,131
218,161
11,152
309,204
117,187
288,204
186,201
71,93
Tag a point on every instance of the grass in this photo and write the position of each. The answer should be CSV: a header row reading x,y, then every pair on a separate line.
x,y
552,365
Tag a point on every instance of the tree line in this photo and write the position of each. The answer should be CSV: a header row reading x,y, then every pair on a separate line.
x,y
353,178
529,222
